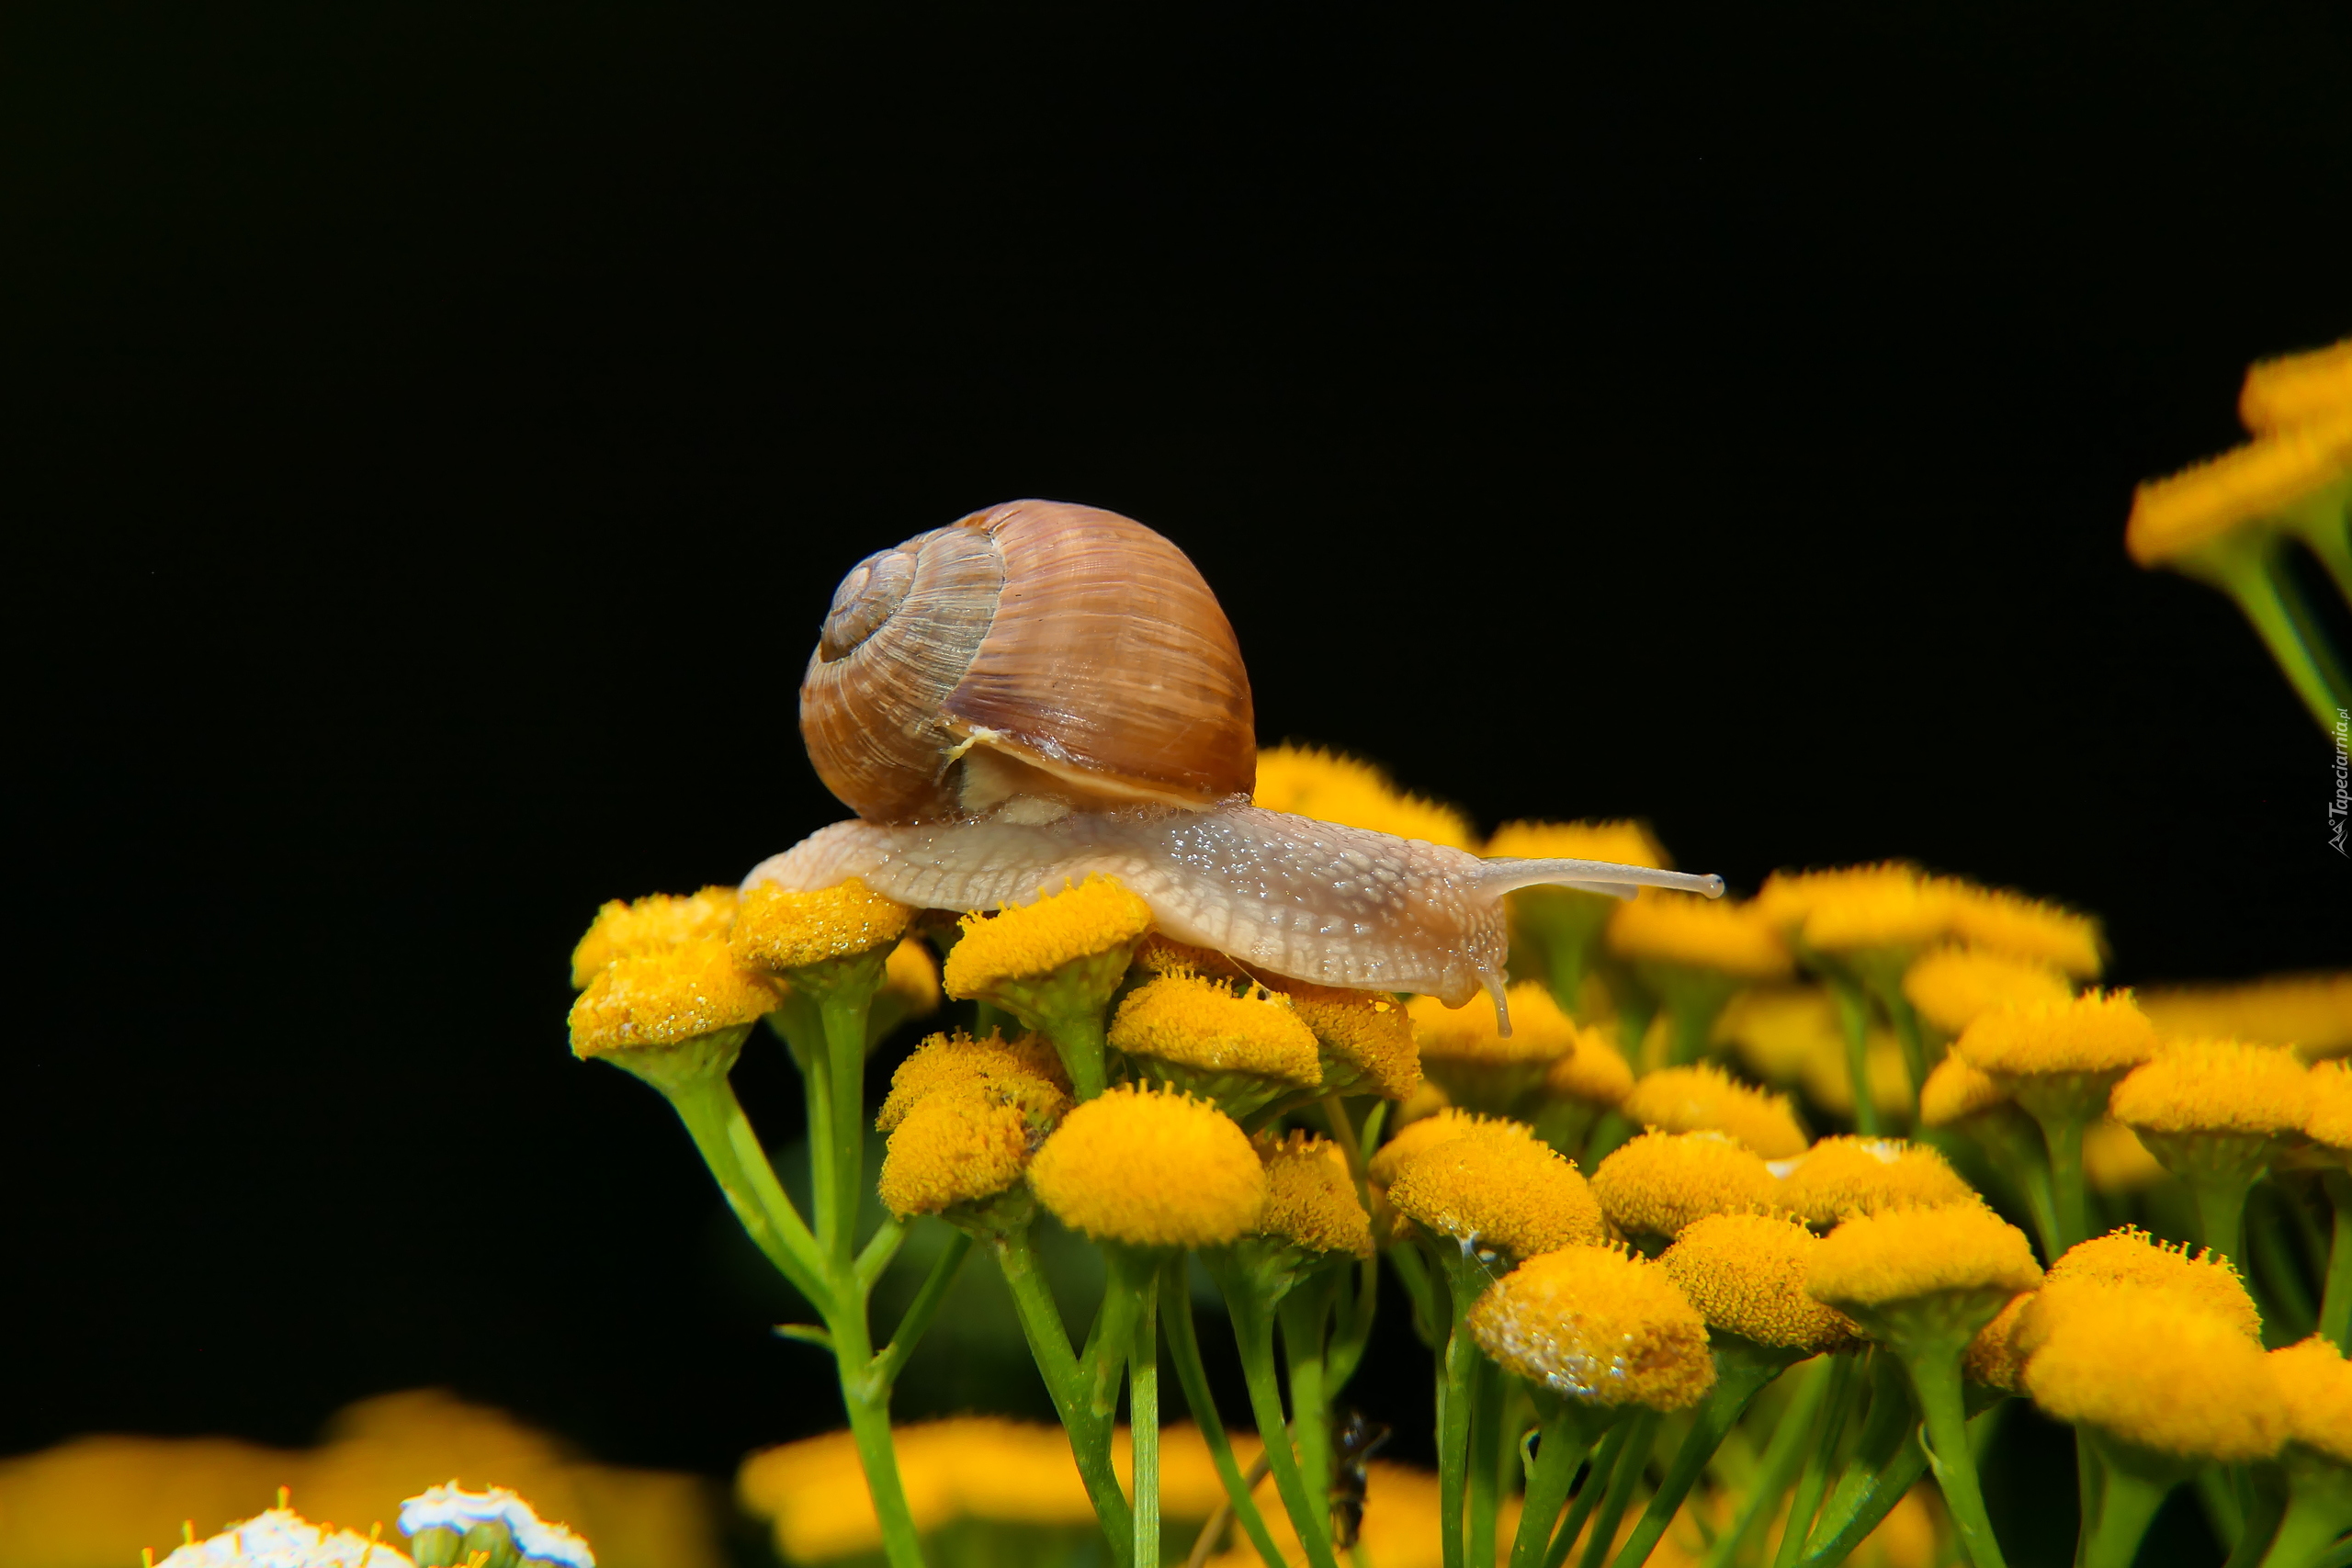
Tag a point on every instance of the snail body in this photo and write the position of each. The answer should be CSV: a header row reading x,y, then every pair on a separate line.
x,y
1039,691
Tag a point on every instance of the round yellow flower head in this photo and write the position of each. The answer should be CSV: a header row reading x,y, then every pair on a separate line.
x,y
2329,1118
1624,843
2099,1032
1883,1259
1994,1356
2311,1012
967,1143
2028,931
1307,780
690,992
1828,1078
1418,1137
2130,1258
2315,1382
1367,1039
1595,1072
1684,929
1955,1092
1310,1199
1495,1188
1661,1183
911,980
651,924
1843,1176
2216,1086
1891,905
1745,1273
1540,1032
777,930
1150,1168
949,1060
1597,1325
2297,389
1240,1049
1030,941
1705,1099
2115,1160
2182,1383
1778,1029
2260,482
1952,987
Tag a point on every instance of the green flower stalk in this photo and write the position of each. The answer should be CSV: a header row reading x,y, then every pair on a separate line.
x,y
2216,1114
1960,1098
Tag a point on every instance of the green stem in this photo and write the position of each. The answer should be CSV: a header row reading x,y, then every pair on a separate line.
x,y
1854,1022
1090,1439
1566,1438
1885,1430
1905,1019
723,1136
2062,1135
1596,1482
1079,1043
2335,1307
843,1011
869,1425
1779,1466
2221,1213
1631,1464
1742,1369
1143,1419
1484,1499
1455,1391
1253,1332
887,1367
1888,1488
1191,1376
1935,1381
2260,1524
1413,1273
1815,1478
879,1249
2128,1502
1304,1314
2327,533
2316,1513
2247,575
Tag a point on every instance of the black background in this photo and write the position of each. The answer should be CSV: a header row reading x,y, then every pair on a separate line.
x,y
436,431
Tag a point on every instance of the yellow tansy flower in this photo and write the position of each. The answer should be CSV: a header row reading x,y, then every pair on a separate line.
x,y
1884,1260
2175,1383
1745,1273
1367,1039
1307,780
2311,1012
1955,1092
2028,929
1706,1098
2096,1033
1595,1073
1661,1183
1621,843
1156,955
2262,483
1240,1050
1952,987
1828,1078
1597,1325
2130,1259
1310,1199
1890,905
1032,942
656,1010
2315,1383
2215,1086
1495,1188
949,1060
1150,1168
1993,1358
909,982
651,924
2297,389
1685,930
777,930
1418,1138
1843,1176
2329,1118
1777,1030
1474,1063
967,1143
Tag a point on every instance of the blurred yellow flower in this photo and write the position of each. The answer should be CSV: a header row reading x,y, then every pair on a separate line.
x,y
1595,1073
1685,930
2257,483
1884,1260
2099,1032
1540,1032
651,924
2216,1086
2031,931
2297,389
2181,1383
1307,780
1993,1358
1621,843
1955,1092
1597,1325
1705,1099
1952,986
2115,1160
2329,1118
1889,904
1843,1176
2315,1383
1150,1168
2311,1012
2131,1259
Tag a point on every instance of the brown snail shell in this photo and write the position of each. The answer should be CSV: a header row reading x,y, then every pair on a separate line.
x,y
1034,649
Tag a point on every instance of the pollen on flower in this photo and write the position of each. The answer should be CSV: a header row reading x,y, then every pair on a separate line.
x,y
283,1539
2215,1086
966,1142
2099,1032
2131,1259
2315,1383
1151,1168
1418,1138
1952,987
1705,1099
1540,1032
651,924
1495,1187
1156,955
1031,940
1844,1176
1621,843
2249,484
2031,931
1367,1038
1661,1183
1193,1023
1890,905
2138,1367
943,1061
1875,1260
1595,1072
1310,1199
1307,780
2311,1012
778,929
1994,1358
1955,1092
1684,929
1598,1325
1745,1273
667,998
2297,389
2329,1120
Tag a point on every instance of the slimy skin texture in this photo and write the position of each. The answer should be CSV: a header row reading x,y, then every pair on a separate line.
x,y
1308,901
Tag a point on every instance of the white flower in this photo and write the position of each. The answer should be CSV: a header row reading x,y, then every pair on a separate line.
x,y
454,1508
283,1539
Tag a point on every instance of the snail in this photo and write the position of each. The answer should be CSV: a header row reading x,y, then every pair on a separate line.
x,y
1041,691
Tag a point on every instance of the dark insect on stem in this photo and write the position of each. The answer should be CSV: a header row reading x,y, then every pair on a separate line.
x,y
1354,1442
